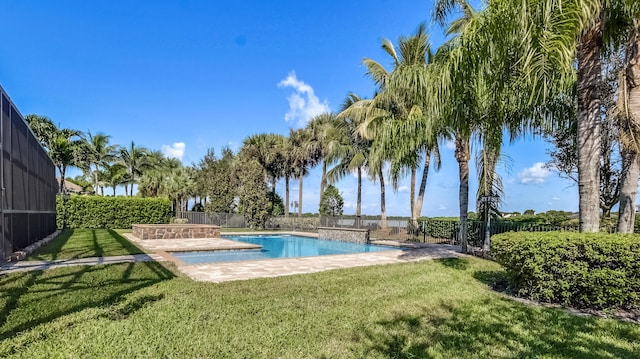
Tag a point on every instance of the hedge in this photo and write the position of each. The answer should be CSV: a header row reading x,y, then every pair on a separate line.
x,y
583,270
111,212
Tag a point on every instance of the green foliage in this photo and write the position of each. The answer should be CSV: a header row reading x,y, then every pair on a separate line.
x,y
111,212
252,192
217,182
331,202
277,204
197,207
529,212
593,270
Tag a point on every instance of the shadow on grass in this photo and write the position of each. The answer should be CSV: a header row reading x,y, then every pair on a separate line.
x,y
124,242
497,327
454,263
40,297
54,247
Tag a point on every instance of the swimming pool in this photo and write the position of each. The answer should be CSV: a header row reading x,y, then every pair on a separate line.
x,y
278,246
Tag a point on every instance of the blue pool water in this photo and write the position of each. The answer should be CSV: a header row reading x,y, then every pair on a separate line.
x,y
278,246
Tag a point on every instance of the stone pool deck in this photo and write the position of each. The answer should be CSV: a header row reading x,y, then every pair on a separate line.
x,y
230,271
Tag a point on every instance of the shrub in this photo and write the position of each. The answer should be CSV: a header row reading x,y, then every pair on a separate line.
x,y
111,212
584,270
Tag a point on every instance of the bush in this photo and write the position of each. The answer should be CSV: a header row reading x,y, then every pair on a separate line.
x,y
112,212
583,270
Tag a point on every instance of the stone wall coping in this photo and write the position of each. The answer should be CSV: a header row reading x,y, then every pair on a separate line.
x,y
345,229
174,225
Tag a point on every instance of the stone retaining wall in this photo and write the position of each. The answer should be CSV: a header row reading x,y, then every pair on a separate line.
x,y
344,234
170,231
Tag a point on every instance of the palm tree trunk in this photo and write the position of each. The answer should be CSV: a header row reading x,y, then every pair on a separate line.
x,y
412,194
286,196
300,197
383,202
114,190
126,189
463,155
631,159
359,196
62,169
628,191
132,182
588,140
323,179
423,186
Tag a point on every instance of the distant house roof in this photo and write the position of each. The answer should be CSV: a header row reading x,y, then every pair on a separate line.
x,y
71,187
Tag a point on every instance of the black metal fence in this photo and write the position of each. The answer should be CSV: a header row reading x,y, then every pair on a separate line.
x,y
399,228
27,183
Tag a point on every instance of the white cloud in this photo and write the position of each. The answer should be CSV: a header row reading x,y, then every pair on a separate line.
x,y
303,103
403,189
174,151
534,174
555,198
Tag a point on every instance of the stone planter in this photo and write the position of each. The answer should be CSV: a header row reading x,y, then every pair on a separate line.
x,y
177,231
354,235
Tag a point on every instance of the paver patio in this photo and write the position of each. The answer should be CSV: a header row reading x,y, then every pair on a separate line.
x,y
243,270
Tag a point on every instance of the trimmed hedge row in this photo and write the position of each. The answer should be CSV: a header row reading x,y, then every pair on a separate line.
x,y
583,270
111,212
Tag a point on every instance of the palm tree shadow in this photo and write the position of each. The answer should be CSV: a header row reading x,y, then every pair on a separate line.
x,y
53,248
92,287
493,325
124,242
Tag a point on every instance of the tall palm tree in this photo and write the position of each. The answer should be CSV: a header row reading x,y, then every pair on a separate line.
x,y
397,117
349,149
323,129
64,149
99,154
303,156
133,158
287,170
357,132
42,127
264,148
459,112
629,108
115,175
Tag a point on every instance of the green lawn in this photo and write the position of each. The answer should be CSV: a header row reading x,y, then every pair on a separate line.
x,y
82,243
429,309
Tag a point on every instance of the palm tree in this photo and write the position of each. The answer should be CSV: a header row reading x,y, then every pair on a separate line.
x,y
397,117
548,38
133,158
287,171
323,129
264,148
42,127
351,151
99,154
354,141
629,108
115,175
64,149
303,155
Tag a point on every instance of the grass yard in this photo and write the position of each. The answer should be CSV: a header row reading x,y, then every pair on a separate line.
x,y
429,309
83,243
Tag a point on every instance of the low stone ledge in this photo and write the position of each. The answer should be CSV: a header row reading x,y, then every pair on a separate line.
x,y
175,231
354,235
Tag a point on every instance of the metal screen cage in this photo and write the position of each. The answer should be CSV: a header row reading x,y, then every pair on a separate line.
x,y
28,184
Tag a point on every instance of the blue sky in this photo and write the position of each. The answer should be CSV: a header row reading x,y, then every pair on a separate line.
x,y
184,76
